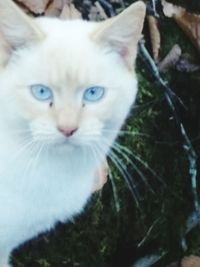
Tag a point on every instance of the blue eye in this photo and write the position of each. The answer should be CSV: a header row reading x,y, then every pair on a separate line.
x,y
93,94
41,92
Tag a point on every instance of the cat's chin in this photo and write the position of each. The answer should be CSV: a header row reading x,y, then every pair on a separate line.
x,y
65,148
65,145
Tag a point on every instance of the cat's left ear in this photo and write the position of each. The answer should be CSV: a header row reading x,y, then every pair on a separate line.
x,y
16,28
122,33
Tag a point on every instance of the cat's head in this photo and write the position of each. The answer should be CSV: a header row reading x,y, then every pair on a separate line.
x,y
69,82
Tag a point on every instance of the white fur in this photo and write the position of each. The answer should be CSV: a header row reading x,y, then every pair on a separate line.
x,y
51,180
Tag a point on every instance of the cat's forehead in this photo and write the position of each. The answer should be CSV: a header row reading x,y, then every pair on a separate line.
x,y
67,35
55,26
68,55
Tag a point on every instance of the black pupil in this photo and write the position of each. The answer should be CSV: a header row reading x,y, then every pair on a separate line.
x,y
42,91
92,91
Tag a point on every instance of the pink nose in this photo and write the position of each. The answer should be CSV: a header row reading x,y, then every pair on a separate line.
x,y
67,131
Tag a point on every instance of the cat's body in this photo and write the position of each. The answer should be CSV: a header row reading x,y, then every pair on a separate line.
x,y
50,148
34,203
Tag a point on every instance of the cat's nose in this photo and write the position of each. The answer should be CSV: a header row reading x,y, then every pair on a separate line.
x,y
67,131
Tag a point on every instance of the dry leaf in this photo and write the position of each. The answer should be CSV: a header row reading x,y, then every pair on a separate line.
x,y
190,23
70,12
186,65
154,36
101,177
190,261
55,8
171,10
25,9
171,58
36,6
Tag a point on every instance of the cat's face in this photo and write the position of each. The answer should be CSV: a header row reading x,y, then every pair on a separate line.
x,y
74,84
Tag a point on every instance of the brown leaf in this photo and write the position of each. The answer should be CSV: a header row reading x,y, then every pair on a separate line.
x,y
154,36
70,12
190,261
171,10
101,176
171,58
36,6
25,9
55,8
190,23
186,65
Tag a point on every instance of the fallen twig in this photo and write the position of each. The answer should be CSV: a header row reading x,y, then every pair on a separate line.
x,y
149,260
154,8
171,58
186,143
148,233
108,7
101,10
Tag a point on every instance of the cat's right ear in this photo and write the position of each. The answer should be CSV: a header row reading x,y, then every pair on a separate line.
x,y
16,28
121,34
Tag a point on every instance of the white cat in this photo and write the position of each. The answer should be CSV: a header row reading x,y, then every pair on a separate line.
x,y
66,88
